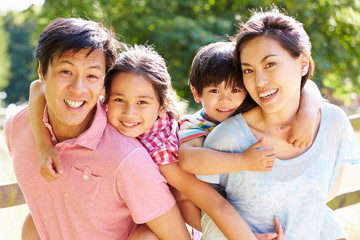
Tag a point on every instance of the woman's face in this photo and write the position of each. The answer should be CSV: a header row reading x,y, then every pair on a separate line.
x,y
271,75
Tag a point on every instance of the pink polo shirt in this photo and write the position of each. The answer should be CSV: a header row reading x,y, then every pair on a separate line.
x,y
109,182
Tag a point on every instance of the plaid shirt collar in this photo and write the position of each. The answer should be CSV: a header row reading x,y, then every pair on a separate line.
x,y
160,125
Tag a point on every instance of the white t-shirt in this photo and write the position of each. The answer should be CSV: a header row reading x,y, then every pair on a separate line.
x,y
295,190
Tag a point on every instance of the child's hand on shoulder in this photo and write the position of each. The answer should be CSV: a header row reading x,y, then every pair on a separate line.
x,y
256,159
301,132
50,165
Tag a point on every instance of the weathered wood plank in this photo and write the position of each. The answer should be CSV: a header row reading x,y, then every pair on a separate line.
x,y
10,195
345,200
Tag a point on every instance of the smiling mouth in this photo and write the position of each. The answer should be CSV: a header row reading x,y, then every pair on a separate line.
x,y
127,124
268,94
74,104
224,109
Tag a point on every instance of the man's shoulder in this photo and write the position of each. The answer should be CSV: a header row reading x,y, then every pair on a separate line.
x,y
18,117
120,143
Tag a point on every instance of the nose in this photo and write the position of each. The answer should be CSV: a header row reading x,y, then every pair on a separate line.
x,y
261,79
128,109
78,84
225,97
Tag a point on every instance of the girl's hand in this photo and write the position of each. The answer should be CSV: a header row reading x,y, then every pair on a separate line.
x,y
50,165
256,159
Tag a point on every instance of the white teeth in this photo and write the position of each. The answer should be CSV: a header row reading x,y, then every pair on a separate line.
x,y
130,124
267,93
73,104
224,109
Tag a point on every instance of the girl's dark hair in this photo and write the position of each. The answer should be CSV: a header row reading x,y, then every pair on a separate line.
x,y
212,65
287,31
64,34
146,62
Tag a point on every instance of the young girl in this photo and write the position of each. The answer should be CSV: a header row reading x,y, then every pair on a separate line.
x,y
141,103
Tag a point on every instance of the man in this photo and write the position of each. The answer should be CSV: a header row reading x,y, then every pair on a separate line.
x,y
109,182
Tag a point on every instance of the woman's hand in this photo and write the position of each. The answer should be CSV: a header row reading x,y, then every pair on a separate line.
x,y
272,236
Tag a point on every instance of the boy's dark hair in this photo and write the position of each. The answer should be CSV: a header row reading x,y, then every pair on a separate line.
x,y
146,62
64,34
212,65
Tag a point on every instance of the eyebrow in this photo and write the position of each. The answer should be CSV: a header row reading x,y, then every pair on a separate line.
x,y
261,61
96,66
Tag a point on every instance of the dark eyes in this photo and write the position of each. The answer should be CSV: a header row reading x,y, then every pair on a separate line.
x,y
66,72
270,64
236,90
119,100
93,76
90,76
247,71
214,91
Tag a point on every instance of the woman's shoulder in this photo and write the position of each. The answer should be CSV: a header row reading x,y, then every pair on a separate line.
x,y
333,112
230,135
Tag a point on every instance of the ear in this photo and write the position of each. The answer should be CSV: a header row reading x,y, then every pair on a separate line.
x,y
162,112
304,63
102,96
195,93
40,72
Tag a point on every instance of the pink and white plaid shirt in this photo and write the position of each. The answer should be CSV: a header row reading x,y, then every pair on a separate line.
x,y
162,144
161,140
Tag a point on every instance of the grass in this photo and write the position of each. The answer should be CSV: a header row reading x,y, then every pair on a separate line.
x,y
11,218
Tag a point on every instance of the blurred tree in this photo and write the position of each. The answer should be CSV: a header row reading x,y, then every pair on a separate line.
x,y
20,27
4,56
179,28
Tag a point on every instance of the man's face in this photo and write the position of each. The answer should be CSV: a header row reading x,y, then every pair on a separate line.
x,y
72,86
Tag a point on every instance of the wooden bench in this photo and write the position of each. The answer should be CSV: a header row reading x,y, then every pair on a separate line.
x,y
10,195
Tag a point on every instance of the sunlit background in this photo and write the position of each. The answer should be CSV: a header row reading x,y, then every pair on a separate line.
x,y
19,5
177,29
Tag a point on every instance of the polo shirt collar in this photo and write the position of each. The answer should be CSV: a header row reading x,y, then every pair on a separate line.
x,y
89,138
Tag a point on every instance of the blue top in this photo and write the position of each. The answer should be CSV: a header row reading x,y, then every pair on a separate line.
x,y
295,190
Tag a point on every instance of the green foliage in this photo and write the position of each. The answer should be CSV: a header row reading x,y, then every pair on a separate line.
x,y
335,36
20,27
4,56
178,28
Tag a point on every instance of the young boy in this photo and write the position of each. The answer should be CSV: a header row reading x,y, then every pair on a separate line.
x,y
214,85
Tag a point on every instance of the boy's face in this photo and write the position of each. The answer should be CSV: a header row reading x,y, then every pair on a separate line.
x,y
133,106
72,86
219,102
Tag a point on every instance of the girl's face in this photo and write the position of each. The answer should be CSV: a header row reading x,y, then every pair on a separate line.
x,y
219,102
271,75
133,106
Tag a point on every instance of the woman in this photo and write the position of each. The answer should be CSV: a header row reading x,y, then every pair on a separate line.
x,y
274,62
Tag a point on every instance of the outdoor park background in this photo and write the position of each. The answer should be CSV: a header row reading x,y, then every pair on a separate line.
x,y
177,29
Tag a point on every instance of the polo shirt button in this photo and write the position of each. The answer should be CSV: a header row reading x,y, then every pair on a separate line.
x,y
86,177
